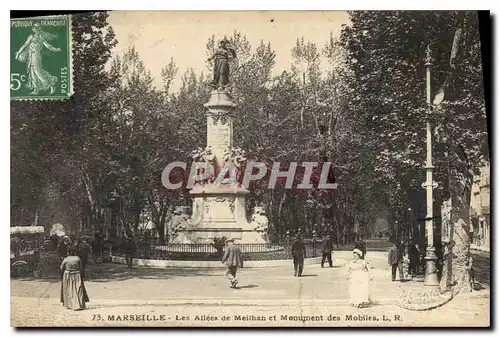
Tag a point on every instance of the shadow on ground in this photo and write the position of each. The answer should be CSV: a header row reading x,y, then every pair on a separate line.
x,y
249,286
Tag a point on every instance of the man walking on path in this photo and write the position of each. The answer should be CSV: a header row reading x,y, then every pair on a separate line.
x,y
130,249
414,259
327,251
393,260
298,255
83,254
97,246
232,259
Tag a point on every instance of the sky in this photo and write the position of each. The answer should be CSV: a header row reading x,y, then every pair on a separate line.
x,y
160,35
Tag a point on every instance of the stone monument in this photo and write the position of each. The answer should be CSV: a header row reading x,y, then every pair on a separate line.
x,y
219,209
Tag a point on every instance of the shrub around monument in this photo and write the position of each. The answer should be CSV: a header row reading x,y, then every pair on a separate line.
x,y
219,244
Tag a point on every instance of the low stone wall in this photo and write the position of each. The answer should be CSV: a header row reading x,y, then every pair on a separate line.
x,y
339,259
216,264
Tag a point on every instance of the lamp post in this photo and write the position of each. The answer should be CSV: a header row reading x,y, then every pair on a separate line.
x,y
395,231
314,237
409,225
431,278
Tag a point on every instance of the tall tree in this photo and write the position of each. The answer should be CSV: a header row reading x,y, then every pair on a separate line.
x,y
386,52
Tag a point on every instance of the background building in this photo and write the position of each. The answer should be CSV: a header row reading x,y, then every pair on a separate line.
x,y
480,210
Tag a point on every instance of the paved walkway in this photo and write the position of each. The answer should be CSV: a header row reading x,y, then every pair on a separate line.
x,y
115,291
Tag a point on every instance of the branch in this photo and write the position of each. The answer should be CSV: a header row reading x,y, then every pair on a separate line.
x,y
88,187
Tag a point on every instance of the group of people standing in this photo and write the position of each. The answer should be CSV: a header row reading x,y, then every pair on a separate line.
x,y
83,247
406,260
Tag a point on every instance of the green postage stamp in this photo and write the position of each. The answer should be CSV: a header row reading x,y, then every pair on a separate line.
x,y
40,54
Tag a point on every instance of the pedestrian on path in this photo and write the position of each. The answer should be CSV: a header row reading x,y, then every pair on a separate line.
x,y
327,251
414,255
405,265
83,254
97,248
298,255
359,276
73,292
63,247
360,244
130,249
393,260
232,259
470,270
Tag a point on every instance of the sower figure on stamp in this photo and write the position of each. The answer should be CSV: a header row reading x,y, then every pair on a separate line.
x,y
31,53
298,255
221,65
232,259
327,251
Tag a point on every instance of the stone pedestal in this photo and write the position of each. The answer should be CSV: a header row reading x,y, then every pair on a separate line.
x,y
219,211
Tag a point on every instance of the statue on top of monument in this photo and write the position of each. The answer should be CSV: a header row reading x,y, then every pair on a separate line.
x,y
221,64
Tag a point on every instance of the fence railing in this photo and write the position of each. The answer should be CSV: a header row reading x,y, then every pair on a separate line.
x,y
250,251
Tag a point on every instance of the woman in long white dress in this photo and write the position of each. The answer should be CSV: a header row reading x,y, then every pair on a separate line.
x,y
359,276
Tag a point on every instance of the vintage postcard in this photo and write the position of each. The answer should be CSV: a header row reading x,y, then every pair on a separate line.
x,y
249,169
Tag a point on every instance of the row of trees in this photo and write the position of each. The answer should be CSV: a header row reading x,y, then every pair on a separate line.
x,y
386,53
97,158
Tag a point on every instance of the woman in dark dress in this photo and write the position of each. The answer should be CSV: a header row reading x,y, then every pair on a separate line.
x,y
73,292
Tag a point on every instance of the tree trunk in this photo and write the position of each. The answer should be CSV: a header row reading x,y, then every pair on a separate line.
x,y
457,253
113,225
160,226
280,209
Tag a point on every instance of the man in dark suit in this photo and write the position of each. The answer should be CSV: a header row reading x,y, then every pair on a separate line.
x,y
83,254
414,259
97,248
232,259
130,249
327,251
361,245
393,260
298,255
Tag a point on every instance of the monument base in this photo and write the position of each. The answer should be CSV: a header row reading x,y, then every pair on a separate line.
x,y
219,212
207,235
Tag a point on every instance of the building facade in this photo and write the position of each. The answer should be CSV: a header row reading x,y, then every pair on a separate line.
x,y
479,211
479,230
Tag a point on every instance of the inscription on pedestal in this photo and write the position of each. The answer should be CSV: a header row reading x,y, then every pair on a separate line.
x,y
217,209
219,135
